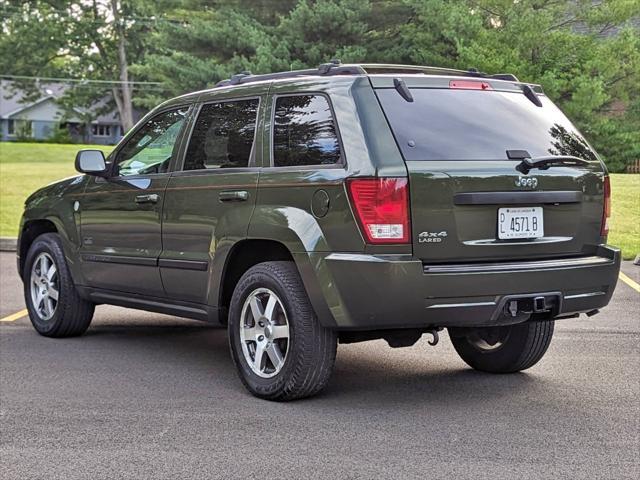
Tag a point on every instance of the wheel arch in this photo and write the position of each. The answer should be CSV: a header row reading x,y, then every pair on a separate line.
x,y
241,257
31,230
249,252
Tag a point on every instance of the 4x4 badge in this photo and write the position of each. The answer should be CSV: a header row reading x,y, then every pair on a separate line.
x,y
432,237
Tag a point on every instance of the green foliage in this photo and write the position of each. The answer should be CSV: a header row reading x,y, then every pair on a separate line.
x,y
72,39
23,131
585,54
60,135
25,167
624,225
23,134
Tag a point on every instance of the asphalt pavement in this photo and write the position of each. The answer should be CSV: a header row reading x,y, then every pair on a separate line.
x,y
144,395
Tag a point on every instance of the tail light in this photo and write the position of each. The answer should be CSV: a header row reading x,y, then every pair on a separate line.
x,y
606,210
382,208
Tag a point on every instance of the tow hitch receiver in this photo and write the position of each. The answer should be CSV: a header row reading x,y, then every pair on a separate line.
x,y
535,305
539,304
515,306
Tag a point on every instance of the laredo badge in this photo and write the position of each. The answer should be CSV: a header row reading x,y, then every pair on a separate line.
x,y
432,237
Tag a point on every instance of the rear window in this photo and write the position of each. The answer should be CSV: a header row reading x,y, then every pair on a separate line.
x,y
442,124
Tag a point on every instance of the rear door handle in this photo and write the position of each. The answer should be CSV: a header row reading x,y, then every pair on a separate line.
x,y
233,196
151,198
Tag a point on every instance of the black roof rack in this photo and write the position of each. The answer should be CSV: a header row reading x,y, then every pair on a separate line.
x,y
473,72
326,69
334,67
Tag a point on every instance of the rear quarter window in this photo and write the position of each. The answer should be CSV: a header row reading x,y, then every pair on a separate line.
x,y
444,124
304,132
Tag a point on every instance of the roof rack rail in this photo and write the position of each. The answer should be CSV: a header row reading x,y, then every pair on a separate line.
x,y
335,67
426,70
325,68
235,79
510,77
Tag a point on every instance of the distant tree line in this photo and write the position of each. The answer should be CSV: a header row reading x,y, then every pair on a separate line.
x,y
585,53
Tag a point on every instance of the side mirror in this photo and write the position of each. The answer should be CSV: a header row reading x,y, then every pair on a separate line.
x,y
91,162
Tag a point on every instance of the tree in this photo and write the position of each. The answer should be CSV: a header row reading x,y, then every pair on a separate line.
x,y
207,42
93,40
585,54
196,48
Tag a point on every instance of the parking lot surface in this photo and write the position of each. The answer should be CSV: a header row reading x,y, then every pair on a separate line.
x,y
150,396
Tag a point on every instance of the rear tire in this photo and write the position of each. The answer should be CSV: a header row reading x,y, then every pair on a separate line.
x,y
55,308
505,349
284,354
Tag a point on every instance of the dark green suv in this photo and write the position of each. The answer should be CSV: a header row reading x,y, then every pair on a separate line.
x,y
344,203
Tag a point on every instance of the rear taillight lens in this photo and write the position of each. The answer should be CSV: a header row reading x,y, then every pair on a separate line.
x,y
381,206
606,210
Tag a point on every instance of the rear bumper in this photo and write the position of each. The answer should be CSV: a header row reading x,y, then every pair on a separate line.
x,y
367,292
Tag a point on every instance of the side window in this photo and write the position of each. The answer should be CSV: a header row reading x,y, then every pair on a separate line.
x,y
149,150
304,132
223,135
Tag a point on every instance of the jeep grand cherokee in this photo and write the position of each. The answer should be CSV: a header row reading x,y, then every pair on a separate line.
x,y
338,204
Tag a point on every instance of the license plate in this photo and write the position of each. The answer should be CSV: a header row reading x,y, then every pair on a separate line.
x,y
524,222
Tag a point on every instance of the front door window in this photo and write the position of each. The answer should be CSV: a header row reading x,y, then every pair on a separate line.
x,y
150,149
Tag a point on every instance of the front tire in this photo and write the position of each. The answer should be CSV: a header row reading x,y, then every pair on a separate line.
x,y
504,349
55,308
277,343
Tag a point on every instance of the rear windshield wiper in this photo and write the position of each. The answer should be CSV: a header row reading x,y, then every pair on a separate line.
x,y
542,163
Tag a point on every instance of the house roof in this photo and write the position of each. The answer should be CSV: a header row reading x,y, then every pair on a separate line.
x,y
24,106
12,101
12,98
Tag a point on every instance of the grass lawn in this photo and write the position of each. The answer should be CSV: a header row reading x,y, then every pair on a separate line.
x,y
624,226
25,167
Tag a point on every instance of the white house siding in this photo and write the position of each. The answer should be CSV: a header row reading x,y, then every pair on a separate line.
x,y
111,139
45,110
40,129
3,130
45,116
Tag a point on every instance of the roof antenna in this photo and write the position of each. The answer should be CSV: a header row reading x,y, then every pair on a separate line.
x,y
402,89
531,95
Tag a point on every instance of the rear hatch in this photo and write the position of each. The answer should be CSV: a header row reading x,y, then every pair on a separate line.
x,y
473,197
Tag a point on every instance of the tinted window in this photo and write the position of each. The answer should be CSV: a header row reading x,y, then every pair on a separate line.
x,y
223,135
478,125
304,132
149,150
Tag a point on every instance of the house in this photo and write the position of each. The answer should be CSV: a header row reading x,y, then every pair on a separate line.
x,y
42,118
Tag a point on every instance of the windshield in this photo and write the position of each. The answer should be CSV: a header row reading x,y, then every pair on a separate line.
x,y
455,124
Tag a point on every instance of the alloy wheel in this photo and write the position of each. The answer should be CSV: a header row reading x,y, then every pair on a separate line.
x,y
45,286
264,332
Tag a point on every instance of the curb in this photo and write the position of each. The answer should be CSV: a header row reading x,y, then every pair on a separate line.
x,y
8,244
